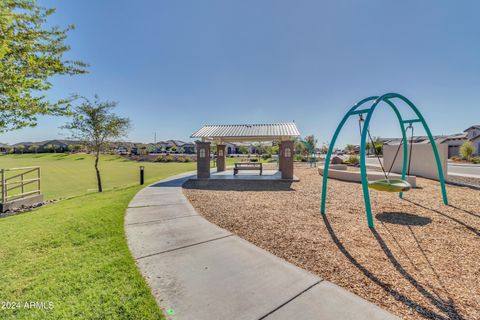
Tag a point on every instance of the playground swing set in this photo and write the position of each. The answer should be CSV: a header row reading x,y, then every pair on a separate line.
x,y
312,157
385,185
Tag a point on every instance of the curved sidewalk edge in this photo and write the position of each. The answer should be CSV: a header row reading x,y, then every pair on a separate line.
x,y
197,270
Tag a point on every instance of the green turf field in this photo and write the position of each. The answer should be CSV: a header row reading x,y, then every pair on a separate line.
x,y
74,255
65,175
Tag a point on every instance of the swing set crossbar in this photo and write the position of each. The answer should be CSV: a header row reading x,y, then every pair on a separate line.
x,y
361,111
411,121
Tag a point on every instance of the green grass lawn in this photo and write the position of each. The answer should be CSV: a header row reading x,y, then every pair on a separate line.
x,y
65,175
73,253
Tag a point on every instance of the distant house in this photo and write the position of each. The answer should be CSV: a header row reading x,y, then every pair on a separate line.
x,y
454,141
121,150
5,147
175,146
473,135
236,148
56,145
231,148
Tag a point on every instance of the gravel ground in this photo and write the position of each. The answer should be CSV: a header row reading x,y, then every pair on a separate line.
x,y
422,261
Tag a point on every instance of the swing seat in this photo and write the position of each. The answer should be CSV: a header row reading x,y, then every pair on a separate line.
x,y
390,185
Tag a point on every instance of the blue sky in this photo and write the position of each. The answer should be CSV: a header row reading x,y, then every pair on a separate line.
x,y
176,65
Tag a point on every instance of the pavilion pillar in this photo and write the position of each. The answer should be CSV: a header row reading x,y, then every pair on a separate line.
x,y
221,157
203,160
280,158
285,158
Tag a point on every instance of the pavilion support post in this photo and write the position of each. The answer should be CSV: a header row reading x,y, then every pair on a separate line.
x,y
221,157
280,163
203,160
286,159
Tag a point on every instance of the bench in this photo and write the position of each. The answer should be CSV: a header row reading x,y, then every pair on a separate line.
x,y
247,166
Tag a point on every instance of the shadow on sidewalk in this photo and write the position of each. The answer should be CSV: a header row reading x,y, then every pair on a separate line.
x,y
174,183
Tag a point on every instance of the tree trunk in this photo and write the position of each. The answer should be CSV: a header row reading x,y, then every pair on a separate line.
x,y
99,179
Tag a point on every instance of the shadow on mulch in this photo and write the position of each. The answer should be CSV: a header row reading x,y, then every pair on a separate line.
x,y
466,211
473,229
447,307
402,218
232,185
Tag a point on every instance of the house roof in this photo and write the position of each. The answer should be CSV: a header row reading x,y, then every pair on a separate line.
x,y
57,142
477,126
246,132
424,139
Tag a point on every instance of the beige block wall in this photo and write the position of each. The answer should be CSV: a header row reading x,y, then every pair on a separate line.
x,y
423,162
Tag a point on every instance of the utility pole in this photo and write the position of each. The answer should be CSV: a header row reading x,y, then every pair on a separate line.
x,y
155,138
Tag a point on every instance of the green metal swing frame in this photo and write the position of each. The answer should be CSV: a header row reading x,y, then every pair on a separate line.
x,y
312,158
355,110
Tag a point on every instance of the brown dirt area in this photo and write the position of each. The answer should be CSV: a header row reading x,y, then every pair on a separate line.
x,y
421,261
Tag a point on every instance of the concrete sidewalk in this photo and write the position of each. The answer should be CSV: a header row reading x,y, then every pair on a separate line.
x,y
197,270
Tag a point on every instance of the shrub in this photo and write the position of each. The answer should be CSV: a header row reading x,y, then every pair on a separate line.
x,y
160,158
266,156
352,160
476,160
169,159
466,150
298,157
181,159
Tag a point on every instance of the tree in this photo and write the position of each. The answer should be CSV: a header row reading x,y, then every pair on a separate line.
x,y
274,149
75,148
350,148
151,148
368,147
377,144
20,149
378,147
50,148
94,123
312,144
261,148
30,54
311,140
466,150
243,150
33,148
324,147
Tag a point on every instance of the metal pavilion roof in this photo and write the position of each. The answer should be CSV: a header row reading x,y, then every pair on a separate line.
x,y
247,131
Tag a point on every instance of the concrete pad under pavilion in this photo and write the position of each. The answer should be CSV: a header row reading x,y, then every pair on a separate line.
x,y
282,133
267,175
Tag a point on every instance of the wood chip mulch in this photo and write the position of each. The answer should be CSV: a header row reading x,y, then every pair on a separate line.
x,y
421,261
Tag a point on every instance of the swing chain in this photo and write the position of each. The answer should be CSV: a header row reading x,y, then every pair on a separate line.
x,y
360,120
410,126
